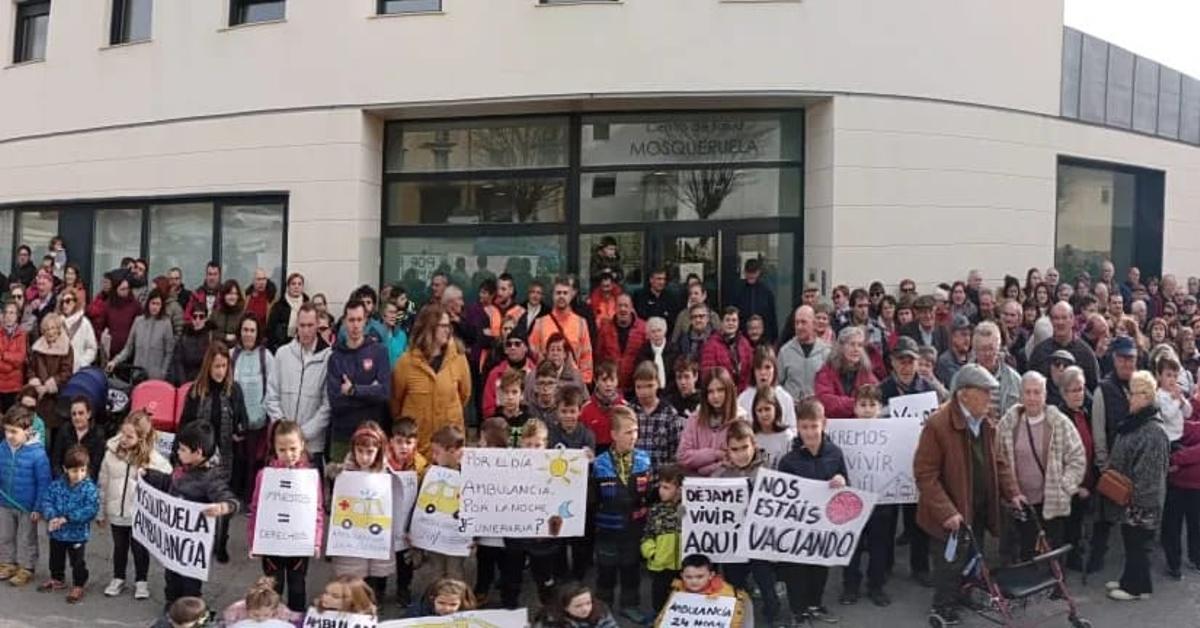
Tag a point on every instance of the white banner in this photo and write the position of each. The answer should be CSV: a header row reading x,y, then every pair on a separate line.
x,y
164,442
285,522
360,524
435,522
713,510
518,618
524,493
693,610
335,619
405,485
920,406
879,453
795,520
176,531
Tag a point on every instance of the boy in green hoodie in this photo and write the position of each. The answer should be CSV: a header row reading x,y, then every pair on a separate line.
x,y
660,541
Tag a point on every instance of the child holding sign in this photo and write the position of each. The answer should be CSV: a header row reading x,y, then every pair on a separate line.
x,y
541,553
287,572
489,550
877,538
446,449
699,576
368,447
574,607
69,506
403,456
814,457
130,451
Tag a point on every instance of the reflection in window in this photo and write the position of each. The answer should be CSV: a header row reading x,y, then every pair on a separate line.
x,y
710,194
473,202
35,229
777,253
252,238
1095,219
117,235
6,239
390,7
477,145
181,234
411,262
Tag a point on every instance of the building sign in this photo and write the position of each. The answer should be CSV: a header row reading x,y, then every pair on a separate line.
x,y
685,139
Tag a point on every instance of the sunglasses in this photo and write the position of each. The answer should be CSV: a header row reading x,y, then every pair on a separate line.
x,y
66,300
515,343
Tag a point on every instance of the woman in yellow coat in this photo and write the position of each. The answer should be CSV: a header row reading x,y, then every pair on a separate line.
x,y
432,381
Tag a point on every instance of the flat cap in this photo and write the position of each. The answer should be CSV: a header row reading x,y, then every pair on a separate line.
x,y
974,376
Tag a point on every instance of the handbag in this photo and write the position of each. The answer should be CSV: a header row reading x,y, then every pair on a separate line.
x,y
1115,486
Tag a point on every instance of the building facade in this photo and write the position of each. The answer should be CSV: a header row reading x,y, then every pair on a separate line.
x,y
366,140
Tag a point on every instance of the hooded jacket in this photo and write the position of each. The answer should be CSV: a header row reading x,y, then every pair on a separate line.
x,y
77,504
118,479
24,476
296,390
368,370
432,398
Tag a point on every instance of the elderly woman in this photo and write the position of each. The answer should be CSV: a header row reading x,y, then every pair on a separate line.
x,y
658,351
432,381
1043,448
51,364
1076,404
1141,453
848,368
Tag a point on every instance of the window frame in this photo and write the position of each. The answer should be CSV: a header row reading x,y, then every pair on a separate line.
x,y
25,12
381,6
238,10
118,29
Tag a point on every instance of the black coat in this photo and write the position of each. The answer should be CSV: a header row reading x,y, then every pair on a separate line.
x,y
189,355
66,438
277,323
828,462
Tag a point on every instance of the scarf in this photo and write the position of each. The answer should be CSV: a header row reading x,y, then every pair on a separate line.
x,y
1134,421
657,354
295,304
606,400
735,358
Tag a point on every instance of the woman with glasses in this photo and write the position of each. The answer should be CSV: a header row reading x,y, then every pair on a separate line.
x,y
79,328
25,319
192,346
432,381
14,348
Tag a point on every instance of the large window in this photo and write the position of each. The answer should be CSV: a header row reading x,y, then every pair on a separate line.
x,y
252,238
468,261
35,228
1108,212
251,11
181,234
131,20
391,7
117,234
32,30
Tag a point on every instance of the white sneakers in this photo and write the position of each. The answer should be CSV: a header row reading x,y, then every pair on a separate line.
x,y
1123,596
141,591
115,587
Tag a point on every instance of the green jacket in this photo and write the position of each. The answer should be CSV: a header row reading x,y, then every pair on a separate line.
x,y
660,541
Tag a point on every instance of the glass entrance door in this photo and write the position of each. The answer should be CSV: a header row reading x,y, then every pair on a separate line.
x,y
685,254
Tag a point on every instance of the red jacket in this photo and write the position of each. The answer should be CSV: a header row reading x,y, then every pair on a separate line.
x,y
608,347
716,353
259,305
493,380
839,402
599,419
1185,463
118,319
13,351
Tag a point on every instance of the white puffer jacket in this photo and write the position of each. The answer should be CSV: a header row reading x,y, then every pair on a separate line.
x,y
118,480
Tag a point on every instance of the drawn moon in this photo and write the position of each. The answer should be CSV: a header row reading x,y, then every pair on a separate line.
x,y
564,509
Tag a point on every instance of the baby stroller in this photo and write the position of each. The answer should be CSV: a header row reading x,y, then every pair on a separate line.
x,y
92,384
1000,595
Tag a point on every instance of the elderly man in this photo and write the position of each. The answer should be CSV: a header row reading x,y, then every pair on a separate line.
x,y
621,339
962,479
986,344
924,329
801,357
1062,318
959,352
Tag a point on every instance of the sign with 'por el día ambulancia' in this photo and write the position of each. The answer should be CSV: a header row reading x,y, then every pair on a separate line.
x,y
524,493
175,531
795,520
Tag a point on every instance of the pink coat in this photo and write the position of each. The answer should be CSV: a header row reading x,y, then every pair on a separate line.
x,y
252,511
839,402
701,448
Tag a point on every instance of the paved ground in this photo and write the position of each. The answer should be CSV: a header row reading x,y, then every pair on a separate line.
x,y
1175,604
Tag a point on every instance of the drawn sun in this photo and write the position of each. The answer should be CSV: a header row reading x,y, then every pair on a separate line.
x,y
560,467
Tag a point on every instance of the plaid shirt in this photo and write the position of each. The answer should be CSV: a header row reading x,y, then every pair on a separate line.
x,y
658,433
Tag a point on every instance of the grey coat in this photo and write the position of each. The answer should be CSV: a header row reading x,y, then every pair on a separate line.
x,y
151,343
1142,455
796,371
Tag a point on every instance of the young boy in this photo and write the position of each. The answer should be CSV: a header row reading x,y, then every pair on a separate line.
x,y
597,414
69,507
196,479
685,398
24,478
187,612
744,461
658,424
618,495
508,403
569,433
698,576
1173,404
926,359
543,405
446,450
816,458
877,537
660,542
402,455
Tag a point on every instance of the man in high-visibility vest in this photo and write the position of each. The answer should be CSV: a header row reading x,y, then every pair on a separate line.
x,y
564,321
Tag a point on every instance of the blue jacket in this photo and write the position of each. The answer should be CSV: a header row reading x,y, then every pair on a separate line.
x,y
24,476
78,504
370,371
619,509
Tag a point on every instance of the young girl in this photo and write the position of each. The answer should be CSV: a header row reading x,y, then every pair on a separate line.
x,y
773,437
260,608
346,594
446,596
489,551
541,553
702,443
288,571
766,373
574,607
125,456
368,452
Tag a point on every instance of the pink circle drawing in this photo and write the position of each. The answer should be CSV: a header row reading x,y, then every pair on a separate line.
x,y
843,508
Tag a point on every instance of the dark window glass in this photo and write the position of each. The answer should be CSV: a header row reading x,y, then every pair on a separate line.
x,y
131,20
468,261
476,201
512,144
251,11
1108,213
389,7
33,24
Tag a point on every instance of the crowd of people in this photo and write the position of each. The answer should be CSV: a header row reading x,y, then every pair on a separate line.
x,y
1053,390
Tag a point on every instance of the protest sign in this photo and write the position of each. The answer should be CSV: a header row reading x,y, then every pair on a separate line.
x,y
795,520
713,510
524,493
518,618
435,524
405,485
920,406
285,523
879,453
176,531
336,619
164,442
361,522
692,610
